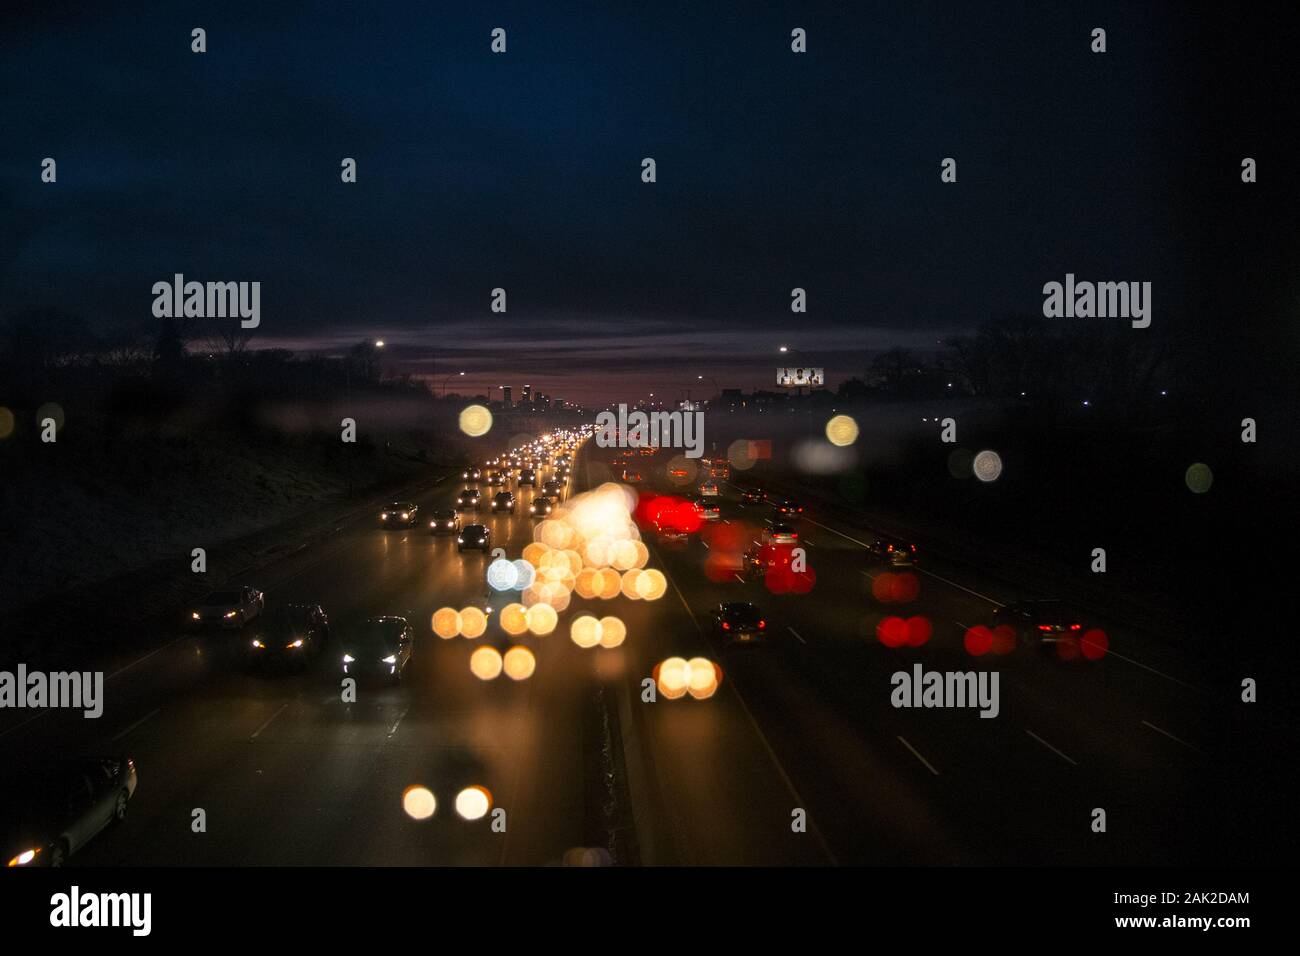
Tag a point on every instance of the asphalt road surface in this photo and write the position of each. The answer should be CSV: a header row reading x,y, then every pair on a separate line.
x,y
287,773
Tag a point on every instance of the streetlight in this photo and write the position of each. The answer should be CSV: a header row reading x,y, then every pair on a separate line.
x,y
444,381
379,343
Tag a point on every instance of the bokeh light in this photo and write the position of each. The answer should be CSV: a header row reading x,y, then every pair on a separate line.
x,y
842,430
446,622
1199,478
473,803
475,421
519,663
987,466
485,663
419,802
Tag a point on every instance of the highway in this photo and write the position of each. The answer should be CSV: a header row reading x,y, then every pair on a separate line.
x,y
286,773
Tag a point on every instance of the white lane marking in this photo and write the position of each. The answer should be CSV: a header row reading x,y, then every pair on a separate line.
x,y
703,542
1172,737
917,754
738,577
122,733
796,634
1050,747
393,729
141,660
268,722
1168,677
758,731
960,587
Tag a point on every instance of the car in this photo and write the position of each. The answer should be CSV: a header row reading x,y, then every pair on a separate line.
x,y
472,473
720,468
399,513
444,521
632,476
503,501
541,507
496,479
552,487
752,496
289,634
469,499
779,532
230,607
739,622
378,647
760,558
51,810
474,536
788,508
709,489
708,508
670,534
528,476
1042,621
892,551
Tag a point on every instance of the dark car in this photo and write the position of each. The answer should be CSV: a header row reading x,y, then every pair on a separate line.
x,y
761,558
541,507
474,536
552,487
739,622
469,498
503,501
668,533
496,479
292,634
378,647
752,496
708,508
229,607
788,508
444,521
1041,621
48,813
472,473
528,476
399,514
896,553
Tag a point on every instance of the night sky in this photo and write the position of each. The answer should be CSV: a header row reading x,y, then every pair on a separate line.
x,y
522,170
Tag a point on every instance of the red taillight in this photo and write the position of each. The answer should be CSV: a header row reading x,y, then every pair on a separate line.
x,y
1044,627
891,547
1076,627
762,623
913,547
726,626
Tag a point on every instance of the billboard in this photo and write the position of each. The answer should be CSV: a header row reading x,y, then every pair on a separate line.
x,y
800,377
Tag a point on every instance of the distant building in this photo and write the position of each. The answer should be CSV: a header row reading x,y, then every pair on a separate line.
x,y
505,397
527,394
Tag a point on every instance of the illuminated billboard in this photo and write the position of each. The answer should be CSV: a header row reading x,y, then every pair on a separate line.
x,y
800,377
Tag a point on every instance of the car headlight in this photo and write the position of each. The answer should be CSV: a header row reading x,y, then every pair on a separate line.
x,y
348,658
258,644
230,614
390,659
405,516
482,540
195,615
297,643
383,515
460,540
22,859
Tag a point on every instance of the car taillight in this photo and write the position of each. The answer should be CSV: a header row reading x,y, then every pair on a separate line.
x,y
1044,627
890,548
1076,627
914,547
726,626
762,623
